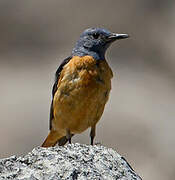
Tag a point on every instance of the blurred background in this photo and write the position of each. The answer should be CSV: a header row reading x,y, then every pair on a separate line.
x,y
138,122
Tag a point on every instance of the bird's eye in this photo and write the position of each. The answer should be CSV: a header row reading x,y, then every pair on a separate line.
x,y
96,35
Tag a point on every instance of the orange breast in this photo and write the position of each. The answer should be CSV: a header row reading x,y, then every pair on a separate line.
x,y
83,90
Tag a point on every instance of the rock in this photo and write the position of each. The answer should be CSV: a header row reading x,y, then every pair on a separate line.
x,y
73,161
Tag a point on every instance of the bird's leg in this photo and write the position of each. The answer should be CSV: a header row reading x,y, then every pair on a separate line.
x,y
68,135
63,140
92,134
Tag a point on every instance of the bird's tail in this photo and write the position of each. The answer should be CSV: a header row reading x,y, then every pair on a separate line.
x,y
52,139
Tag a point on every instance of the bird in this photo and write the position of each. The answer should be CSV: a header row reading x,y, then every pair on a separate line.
x,y
81,88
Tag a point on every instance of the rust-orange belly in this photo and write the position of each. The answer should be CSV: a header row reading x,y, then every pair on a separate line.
x,y
83,91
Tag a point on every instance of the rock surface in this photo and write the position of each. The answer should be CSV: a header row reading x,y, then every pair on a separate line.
x,y
73,161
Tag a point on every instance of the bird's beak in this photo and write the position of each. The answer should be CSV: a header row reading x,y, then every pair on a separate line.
x,y
114,36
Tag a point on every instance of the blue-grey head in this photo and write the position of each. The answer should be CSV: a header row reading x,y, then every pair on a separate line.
x,y
95,41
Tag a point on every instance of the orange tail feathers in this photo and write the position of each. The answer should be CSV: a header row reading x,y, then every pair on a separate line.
x,y
52,139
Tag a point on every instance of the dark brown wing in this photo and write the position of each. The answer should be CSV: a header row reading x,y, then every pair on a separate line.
x,y
54,89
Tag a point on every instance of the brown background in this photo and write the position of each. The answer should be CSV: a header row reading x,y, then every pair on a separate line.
x,y
36,35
